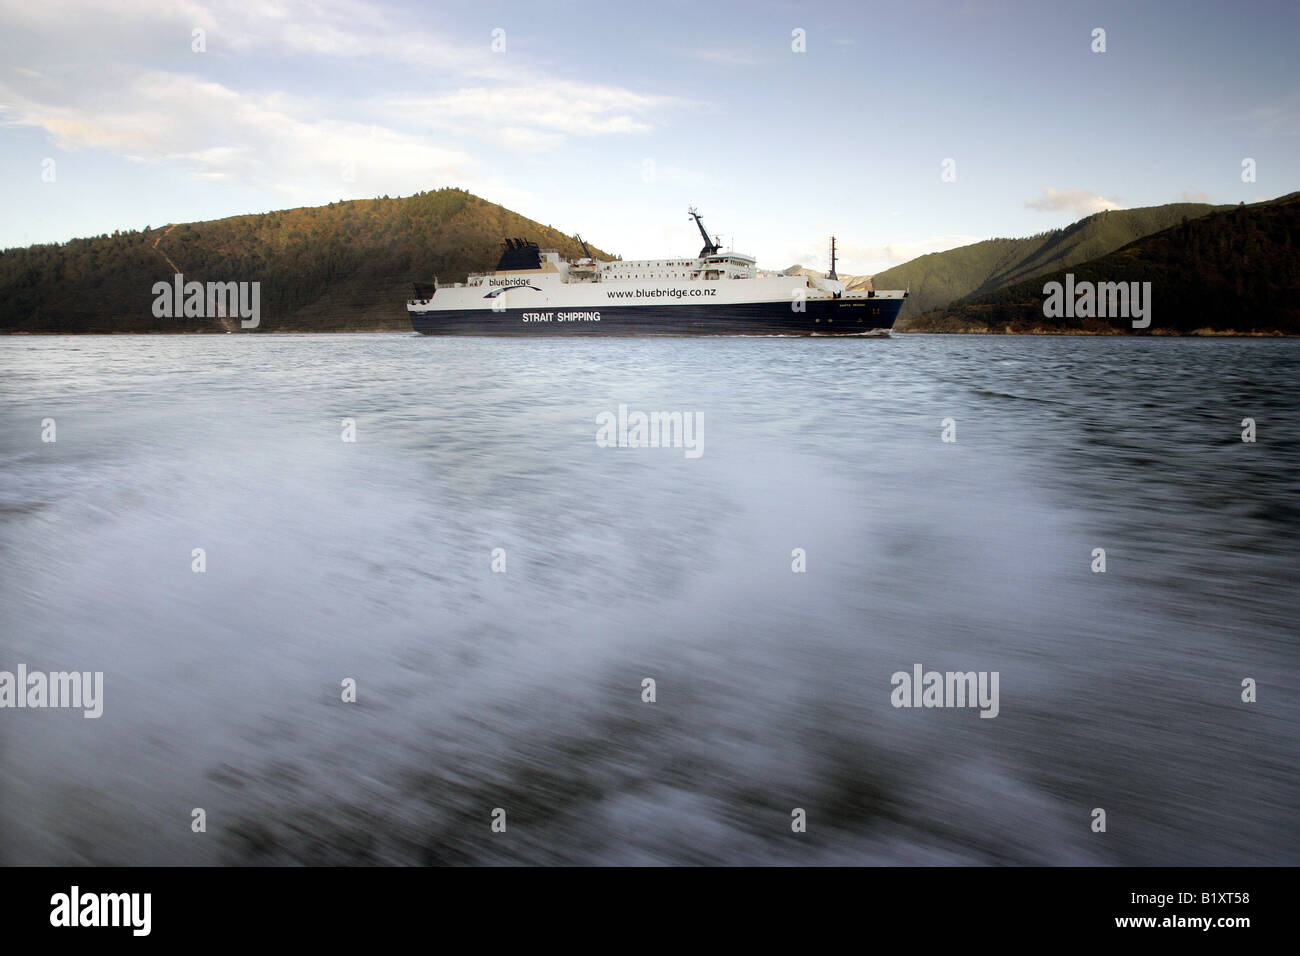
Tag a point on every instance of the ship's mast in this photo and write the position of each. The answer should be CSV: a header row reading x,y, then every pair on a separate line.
x,y
833,275
710,247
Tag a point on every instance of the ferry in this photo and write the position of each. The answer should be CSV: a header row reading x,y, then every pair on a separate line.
x,y
534,291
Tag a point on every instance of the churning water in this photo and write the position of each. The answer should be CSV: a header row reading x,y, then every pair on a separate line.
x,y
522,690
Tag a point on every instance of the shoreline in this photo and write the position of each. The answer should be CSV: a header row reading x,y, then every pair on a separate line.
x,y
1196,334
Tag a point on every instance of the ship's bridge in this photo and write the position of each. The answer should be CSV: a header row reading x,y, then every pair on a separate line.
x,y
728,265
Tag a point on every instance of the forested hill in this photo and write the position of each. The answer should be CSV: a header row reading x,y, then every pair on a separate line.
x,y
1234,271
345,266
939,278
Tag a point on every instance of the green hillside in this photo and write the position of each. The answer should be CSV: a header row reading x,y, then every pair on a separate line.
x,y
937,279
345,266
1236,270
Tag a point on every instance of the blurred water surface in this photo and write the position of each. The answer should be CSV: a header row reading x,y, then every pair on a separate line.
x,y
522,690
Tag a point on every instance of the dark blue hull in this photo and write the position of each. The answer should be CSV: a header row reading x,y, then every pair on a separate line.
x,y
821,317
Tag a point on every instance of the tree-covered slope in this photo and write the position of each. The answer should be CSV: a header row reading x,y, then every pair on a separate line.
x,y
1235,270
348,265
940,278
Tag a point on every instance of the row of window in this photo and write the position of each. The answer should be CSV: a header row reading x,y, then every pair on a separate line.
x,y
629,265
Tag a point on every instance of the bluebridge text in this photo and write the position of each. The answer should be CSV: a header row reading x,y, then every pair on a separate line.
x,y
659,293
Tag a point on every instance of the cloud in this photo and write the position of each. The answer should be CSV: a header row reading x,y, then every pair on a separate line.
x,y
1193,195
551,109
726,57
353,30
220,134
896,253
856,258
127,82
86,32
1080,202
1281,120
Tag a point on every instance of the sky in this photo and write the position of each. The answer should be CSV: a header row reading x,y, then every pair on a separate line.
x,y
902,128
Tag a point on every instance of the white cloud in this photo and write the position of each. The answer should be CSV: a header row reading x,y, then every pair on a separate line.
x,y
351,30
1281,120
126,81
553,108
867,257
858,258
1193,195
220,134
726,57
1080,202
89,31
